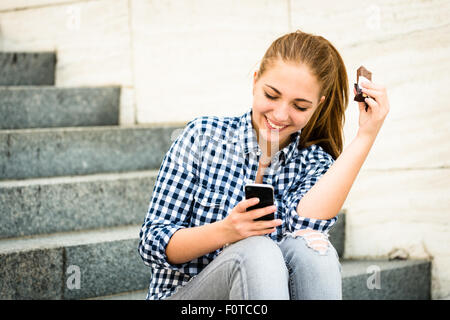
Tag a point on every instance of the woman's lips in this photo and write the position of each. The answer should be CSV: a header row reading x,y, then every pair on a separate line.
x,y
273,128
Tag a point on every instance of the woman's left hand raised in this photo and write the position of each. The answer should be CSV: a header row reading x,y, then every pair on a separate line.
x,y
371,121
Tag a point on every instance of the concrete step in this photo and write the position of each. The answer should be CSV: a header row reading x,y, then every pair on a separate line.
x,y
33,153
27,68
39,266
386,280
72,265
60,204
43,107
398,280
106,262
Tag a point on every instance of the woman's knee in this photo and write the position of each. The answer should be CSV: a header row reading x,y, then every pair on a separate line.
x,y
260,263
310,248
314,273
258,251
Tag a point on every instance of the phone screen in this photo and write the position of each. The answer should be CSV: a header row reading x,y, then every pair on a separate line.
x,y
265,195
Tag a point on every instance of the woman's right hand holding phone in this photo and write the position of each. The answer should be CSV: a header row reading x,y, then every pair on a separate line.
x,y
240,224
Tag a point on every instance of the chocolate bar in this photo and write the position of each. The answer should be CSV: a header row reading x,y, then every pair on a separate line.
x,y
362,75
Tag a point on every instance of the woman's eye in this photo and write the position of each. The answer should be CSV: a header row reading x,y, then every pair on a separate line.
x,y
269,96
274,98
300,108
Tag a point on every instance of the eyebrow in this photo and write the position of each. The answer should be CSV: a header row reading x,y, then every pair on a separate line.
x,y
296,99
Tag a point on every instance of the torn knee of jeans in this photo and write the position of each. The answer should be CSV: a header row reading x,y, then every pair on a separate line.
x,y
315,240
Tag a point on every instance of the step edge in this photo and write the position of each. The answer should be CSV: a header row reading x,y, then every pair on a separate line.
x,y
120,295
30,52
385,265
69,239
107,176
55,88
73,129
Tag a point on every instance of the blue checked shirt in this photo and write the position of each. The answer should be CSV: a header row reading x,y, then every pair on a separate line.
x,y
202,178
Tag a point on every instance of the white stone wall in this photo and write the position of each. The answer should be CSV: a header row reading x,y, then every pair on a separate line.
x,y
179,59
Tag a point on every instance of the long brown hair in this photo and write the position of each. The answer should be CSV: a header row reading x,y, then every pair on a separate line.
x,y
325,128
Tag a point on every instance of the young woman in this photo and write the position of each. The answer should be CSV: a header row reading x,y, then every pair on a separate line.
x,y
198,238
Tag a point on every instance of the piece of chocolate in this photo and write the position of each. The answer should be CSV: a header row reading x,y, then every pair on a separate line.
x,y
362,75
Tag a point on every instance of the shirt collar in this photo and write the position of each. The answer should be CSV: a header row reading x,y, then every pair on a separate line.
x,y
246,137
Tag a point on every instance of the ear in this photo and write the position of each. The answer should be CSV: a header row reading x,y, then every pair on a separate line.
x,y
322,99
255,76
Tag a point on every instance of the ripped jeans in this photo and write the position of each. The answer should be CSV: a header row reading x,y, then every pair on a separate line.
x,y
257,268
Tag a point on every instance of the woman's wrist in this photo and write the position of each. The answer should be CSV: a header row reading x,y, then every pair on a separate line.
x,y
368,138
224,233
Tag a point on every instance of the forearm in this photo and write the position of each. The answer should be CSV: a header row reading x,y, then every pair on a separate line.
x,y
190,243
326,197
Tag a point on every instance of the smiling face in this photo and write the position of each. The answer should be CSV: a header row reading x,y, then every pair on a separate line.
x,y
284,99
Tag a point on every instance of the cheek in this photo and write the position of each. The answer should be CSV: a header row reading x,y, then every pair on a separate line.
x,y
307,117
261,105
300,120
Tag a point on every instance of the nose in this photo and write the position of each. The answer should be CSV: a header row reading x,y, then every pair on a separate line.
x,y
281,113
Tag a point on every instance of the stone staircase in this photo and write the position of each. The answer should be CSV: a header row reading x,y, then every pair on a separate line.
x,y
75,187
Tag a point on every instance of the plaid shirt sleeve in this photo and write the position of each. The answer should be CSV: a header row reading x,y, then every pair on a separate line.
x,y
171,198
317,164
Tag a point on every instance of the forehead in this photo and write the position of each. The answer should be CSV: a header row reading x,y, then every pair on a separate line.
x,y
292,79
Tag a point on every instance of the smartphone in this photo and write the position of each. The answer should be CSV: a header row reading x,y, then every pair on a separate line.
x,y
265,194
